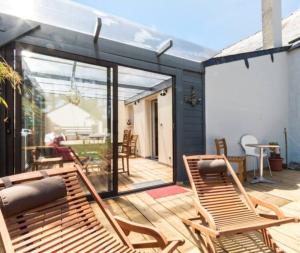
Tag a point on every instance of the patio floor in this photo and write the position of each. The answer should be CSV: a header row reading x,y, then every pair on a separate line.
x,y
165,213
143,172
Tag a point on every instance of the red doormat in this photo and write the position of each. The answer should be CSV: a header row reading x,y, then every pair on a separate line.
x,y
166,191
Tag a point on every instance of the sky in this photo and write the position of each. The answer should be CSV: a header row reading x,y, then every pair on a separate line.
x,y
215,24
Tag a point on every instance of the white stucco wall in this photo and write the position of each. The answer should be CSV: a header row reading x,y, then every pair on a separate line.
x,y
294,105
142,127
241,101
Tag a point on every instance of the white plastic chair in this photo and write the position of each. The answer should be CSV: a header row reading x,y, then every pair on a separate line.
x,y
252,151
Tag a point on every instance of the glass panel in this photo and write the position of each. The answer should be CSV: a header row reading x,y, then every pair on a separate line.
x,y
73,16
145,129
66,104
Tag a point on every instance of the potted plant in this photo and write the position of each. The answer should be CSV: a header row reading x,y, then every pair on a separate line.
x,y
10,76
275,159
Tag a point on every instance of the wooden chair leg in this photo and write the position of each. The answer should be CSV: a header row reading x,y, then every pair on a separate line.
x,y
123,168
241,171
210,246
128,166
245,170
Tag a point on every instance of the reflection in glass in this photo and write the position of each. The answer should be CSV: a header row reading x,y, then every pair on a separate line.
x,y
66,104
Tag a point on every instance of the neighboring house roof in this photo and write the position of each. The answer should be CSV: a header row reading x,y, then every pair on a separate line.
x,y
290,31
68,115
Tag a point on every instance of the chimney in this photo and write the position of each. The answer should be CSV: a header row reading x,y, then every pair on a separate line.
x,y
271,23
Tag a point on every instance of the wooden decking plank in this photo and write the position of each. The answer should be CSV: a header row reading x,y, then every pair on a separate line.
x,y
130,212
163,219
165,213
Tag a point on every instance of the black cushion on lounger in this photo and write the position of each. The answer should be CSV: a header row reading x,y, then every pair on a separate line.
x,y
23,197
212,166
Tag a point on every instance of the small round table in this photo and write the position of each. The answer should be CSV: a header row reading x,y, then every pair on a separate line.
x,y
261,147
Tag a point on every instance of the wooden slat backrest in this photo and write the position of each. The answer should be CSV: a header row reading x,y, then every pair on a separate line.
x,y
134,138
221,146
63,225
217,191
126,141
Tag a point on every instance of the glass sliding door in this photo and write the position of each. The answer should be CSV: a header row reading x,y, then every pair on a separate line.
x,y
67,103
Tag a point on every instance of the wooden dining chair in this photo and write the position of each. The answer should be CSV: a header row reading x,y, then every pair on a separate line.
x,y
133,143
47,211
224,208
41,162
124,153
126,135
221,148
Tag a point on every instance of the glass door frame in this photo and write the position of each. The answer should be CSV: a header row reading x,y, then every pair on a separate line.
x,y
174,136
112,78
112,67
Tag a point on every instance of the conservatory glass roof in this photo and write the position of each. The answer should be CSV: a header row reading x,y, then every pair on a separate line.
x,y
74,16
52,75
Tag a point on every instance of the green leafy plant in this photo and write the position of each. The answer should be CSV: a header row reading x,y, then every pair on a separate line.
x,y
9,75
274,151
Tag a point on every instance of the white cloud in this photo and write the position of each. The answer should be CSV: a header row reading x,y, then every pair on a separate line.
x,y
109,21
142,35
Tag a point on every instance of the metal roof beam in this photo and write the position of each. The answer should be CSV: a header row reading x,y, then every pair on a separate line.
x,y
17,32
161,86
84,80
164,47
97,29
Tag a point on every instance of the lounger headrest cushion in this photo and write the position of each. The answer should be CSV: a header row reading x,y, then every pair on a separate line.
x,y
23,197
212,166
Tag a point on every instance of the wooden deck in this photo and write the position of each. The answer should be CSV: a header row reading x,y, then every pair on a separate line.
x,y
165,213
143,172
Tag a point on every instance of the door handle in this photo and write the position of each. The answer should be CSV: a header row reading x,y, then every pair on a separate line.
x,y
7,123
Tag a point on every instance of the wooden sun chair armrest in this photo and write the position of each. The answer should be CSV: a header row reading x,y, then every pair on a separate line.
x,y
172,246
160,240
206,215
258,202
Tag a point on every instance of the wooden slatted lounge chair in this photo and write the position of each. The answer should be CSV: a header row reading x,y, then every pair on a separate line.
x,y
68,224
85,163
81,161
222,204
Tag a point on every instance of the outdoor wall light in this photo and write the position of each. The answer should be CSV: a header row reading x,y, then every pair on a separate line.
x,y
163,92
193,99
